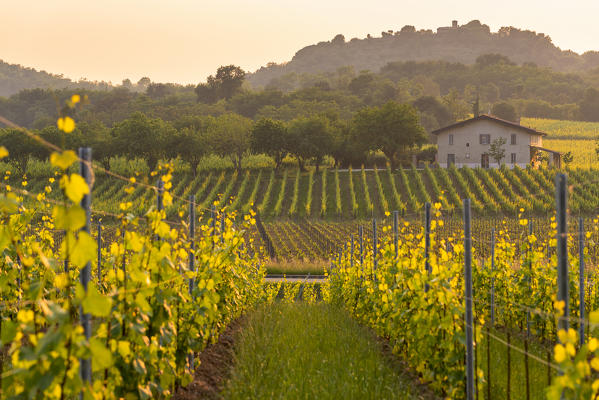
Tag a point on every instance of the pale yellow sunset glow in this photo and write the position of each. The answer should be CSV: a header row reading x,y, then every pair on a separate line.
x,y
184,40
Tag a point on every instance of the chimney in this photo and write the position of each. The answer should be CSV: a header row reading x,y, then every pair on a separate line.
x,y
454,24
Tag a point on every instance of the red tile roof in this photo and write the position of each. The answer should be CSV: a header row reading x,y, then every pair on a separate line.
x,y
492,119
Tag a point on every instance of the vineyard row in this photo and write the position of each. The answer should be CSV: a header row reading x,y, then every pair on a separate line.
x,y
353,194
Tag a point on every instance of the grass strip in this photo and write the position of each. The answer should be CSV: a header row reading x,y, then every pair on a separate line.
x,y
311,351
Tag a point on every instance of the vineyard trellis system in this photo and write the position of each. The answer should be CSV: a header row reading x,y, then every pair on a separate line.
x,y
510,322
351,194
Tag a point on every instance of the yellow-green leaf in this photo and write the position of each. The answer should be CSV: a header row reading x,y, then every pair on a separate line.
x,y
74,187
8,204
9,332
64,160
66,124
124,348
95,303
71,218
84,250
102,359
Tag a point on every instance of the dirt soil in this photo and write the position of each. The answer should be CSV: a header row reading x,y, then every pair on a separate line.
x,y
215,366
419,390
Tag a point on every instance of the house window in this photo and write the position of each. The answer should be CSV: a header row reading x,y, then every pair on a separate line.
x,y
467,155
484,160
450,159
450,139
485,139
513,139
513,158
534,139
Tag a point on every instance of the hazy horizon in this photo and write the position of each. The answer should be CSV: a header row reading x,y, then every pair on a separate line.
x,y
184,41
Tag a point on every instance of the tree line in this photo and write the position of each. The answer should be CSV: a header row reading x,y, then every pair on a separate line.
x,y
442,92
393,128
343,115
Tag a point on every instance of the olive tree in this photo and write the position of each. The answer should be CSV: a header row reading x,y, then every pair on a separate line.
x,y
391,128
230,136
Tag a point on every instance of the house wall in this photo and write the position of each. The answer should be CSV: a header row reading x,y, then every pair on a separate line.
x,y
466,142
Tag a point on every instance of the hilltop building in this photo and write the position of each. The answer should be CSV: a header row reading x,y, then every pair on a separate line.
x,y
467,143
443,29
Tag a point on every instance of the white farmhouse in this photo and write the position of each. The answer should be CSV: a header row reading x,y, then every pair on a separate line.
x,y
467,143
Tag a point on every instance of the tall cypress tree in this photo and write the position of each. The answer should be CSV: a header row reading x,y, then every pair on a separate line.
x,y
475,107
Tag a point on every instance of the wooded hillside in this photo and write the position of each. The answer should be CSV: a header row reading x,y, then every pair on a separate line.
x,y
462,44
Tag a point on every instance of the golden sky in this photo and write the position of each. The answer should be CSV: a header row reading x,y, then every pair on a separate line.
x,y
185,40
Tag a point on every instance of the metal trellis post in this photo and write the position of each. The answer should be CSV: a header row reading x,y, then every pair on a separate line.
x,y
581,277
427,240
85,156
468,300
361,232
192,230
561,200
374,248
99,253
351,259
396,233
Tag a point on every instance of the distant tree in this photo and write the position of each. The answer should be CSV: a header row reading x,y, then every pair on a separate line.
x,y
476,26
310,138
206,92
248,103
144,82
485,60
270,137
496,150
91,133
322,85
224,85
338,39
21,147
347,149
230,136
490,92
189,144
476,107
589,106
568,158
199,123
430,105
361,83
229,79
505,111
408,29
457,107
159,90
392,128
142,136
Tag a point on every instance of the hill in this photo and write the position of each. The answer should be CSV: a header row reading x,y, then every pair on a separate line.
x,y
14,78
456,44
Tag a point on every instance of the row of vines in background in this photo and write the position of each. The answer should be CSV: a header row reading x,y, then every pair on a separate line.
x,y
348,194
324,239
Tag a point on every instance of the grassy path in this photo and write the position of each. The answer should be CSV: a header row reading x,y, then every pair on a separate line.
x,y
303,351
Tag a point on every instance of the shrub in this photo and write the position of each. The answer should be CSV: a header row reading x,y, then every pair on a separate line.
x,y
126,167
